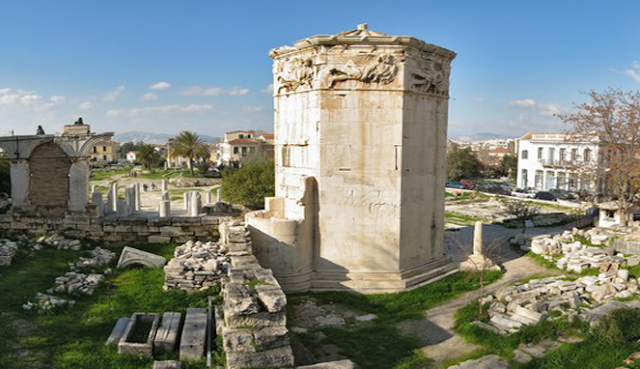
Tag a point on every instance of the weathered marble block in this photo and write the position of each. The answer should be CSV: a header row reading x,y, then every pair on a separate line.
x,y
194,334
127,343
167,335
118,331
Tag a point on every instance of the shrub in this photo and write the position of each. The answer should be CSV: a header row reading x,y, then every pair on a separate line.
x,y
250,184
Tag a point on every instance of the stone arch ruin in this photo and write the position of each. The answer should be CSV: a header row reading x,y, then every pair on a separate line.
x,y
49,178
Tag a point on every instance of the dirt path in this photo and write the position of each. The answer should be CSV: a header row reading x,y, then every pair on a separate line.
x,y
435,331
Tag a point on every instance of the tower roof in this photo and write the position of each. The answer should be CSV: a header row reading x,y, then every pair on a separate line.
x,y
362,35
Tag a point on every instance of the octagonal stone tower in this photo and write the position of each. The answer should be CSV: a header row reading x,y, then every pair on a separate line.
x,y
360,137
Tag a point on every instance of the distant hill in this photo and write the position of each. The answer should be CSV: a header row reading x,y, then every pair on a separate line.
x,y
153,138
479,136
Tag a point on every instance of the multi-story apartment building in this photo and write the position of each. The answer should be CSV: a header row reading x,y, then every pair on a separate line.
x,y
105,152
240,145
557,161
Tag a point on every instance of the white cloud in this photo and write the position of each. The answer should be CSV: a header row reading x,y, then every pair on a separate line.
x,y
149,96
524,103
254,109
268,89
214,91
165,109
57,99
162,85
115,94
634,73
86,105
547,109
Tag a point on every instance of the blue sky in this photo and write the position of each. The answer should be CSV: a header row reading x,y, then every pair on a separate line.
x,y
165,66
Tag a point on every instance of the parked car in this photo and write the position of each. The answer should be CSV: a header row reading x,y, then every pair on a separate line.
x,y
454,184
562,194
545,195
527,193
467,183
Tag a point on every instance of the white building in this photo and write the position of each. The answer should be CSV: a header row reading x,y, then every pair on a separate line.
x,y
132,156
240,145
552,161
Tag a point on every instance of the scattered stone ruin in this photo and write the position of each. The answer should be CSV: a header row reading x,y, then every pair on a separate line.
x,y
49,173
360,127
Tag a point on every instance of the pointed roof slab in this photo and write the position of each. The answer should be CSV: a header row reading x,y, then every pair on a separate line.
x,y
362,35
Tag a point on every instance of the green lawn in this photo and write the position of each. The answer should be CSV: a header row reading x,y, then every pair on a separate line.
x,y
380,344
74,338
463,220
103,175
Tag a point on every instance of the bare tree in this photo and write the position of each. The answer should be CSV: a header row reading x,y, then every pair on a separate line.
x,y
522,210
612,120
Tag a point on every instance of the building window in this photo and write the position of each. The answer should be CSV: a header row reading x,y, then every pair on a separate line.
x,y
244,151
572,181
525,154
551,180
587,155
525,180
574,154
104,148
104,157
538,179
240,136
562,180
248,136
540,152
95,149
235,150
563,153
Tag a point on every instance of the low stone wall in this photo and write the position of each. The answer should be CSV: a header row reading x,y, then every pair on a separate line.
x,y
118,230
254,331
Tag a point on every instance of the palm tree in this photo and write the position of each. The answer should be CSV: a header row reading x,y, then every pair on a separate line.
x,y
148,156
189,145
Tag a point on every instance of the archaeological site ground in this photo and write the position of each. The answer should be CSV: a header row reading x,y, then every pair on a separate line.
x,y
353,236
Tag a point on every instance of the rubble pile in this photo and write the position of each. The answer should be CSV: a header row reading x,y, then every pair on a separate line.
x,y
74,282
515,306
78,283
99,258
60,242
196,266
45,303
568,252
8,250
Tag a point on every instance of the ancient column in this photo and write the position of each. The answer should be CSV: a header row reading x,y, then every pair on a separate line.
x,y
96,200
165,195
138,200
187,200
208,196
477,239
164,186
114,197
219,194
196,204
164,208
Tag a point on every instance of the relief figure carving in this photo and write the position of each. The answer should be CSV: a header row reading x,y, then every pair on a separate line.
x,y
433,79
295,74
383,71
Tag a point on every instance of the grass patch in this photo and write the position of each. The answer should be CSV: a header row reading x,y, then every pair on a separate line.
x,y
463,220
106,174
74,338
382,335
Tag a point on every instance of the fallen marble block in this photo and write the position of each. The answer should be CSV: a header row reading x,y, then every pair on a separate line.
x,y
167,364
130,256
139,343
194,334
118,331
341,364
167,335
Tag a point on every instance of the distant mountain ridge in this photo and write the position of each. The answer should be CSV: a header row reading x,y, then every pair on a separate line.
x,y
154,138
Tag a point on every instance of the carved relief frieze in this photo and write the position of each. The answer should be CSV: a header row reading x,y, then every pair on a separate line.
x,y
433,76
382,70
296,73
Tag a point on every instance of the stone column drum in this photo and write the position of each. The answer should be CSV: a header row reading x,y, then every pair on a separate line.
x,y
360,128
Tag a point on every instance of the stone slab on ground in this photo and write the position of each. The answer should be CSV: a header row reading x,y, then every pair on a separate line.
x,y
194,334
485,362
118,331
340,364
168,333
167,364
130,256
125,345
281,357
